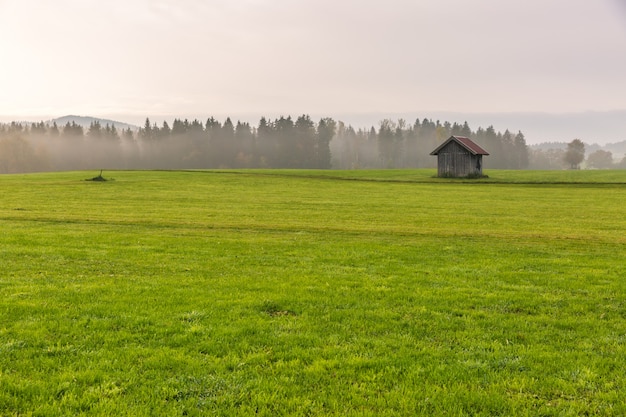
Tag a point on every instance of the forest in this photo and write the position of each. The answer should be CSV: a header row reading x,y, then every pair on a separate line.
x,y
284,142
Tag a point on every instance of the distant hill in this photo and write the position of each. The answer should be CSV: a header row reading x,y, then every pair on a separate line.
x,y
86,121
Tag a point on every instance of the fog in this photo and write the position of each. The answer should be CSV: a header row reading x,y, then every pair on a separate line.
x,y
191,57
284,142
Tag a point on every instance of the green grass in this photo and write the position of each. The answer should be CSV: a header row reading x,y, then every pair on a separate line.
x,y
347,293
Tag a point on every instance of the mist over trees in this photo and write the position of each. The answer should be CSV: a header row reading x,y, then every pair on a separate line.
x,y
575,153
398,144
600,159
280,143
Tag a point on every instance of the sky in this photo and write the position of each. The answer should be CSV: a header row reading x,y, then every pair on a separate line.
x,y
132,59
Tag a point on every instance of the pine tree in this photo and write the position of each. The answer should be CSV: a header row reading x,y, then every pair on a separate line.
x,y
284,132
386,142
146,133
465,130
128,135
245,143
325,132
265,143
54,130
73,131
521,151
95,130
303,154
111,133
165,132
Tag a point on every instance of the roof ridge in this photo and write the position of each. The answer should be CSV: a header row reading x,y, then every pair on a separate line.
x,y
465,142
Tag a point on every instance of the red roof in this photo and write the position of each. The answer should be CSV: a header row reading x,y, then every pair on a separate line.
x,y
467,143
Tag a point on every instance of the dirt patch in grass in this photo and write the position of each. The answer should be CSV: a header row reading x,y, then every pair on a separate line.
x,y
273,309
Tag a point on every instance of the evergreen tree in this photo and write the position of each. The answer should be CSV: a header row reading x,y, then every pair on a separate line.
x,y
155,131
95,130
73,131
110,133
178,128
54,130
265,143
146,133
465,130
38,128
412,154
386,139
128,135
521,151
284,132
325,132
16,127
508,156
398,144
246,146
303,144
493,145
229,147
343,150
165,132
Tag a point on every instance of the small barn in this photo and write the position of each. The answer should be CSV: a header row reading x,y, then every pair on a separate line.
x,y
459,157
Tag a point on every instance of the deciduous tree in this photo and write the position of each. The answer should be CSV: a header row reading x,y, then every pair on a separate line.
x,y
600,159
575,153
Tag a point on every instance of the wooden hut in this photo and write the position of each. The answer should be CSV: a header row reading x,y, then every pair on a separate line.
x,y
459,157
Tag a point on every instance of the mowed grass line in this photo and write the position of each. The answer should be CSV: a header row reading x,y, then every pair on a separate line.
x,y
300,293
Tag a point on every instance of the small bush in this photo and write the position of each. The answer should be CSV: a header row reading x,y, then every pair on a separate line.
x,y
99,177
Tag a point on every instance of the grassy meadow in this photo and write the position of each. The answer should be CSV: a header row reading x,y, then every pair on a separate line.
x,y
345,293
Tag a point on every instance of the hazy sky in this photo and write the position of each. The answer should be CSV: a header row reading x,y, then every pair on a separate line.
x,y
138,58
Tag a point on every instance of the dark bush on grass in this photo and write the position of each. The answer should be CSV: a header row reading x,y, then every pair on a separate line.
x,y
99,178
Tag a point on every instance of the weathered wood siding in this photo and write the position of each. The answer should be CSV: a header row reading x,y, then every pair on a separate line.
x,y
455,161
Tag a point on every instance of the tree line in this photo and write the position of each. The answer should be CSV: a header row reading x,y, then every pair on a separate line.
x,y
572,155
398,144
283,142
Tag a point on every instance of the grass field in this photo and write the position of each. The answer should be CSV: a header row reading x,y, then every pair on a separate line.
x,y
354,293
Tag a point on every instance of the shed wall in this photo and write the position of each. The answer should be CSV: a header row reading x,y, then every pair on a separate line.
x,y
455,161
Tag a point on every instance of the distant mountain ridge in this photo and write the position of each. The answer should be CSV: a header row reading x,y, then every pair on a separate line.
x,y
86,121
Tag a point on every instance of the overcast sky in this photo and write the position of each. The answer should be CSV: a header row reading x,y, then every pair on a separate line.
x,y
136,58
